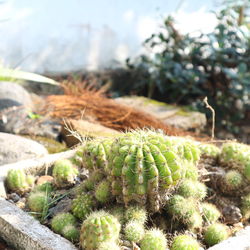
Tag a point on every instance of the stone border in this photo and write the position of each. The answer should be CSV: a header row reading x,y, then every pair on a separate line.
x,y
22,231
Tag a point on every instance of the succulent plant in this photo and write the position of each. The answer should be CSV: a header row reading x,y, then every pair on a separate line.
x,y
245,206
103,191
82,205
185,242
70,232
154,239
38,202
209,150
99,226
216,233
95,177
194,222
119,213
17,181
64,173
180,207
189,188
233,179
46,187
61,220
210,212
136,213
134,231
109,245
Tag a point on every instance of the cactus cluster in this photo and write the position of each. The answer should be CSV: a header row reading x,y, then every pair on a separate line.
x,y
142,165
17,181
66,225
64,173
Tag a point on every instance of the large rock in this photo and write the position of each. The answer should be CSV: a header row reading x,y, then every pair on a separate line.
x,y
14,148
75,129
179,117
12,94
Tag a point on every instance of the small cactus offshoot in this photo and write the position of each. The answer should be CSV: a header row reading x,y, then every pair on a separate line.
x,y
233,179
154,239
185,242
99,226
210,212
17,181
134,231
109,245
82,205
70,232
216,233
103,191
245,206
136,213
64,173
61,220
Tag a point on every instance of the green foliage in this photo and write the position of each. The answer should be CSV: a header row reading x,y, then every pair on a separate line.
x,y
187,68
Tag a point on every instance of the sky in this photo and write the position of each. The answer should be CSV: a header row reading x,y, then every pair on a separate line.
x,y
54,35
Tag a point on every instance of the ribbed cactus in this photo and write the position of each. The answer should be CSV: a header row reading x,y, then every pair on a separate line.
x,y
82,205
99,226
17,181
64,173
142,166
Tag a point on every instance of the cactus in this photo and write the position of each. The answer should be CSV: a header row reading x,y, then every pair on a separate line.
x,y
45,187
233,179
215,233
64,173
38,202
103,191
185,242
82,206
119,213
142,165
210,213
154,239
99,226
194,189
245,206
136,213
209,150
134,231
61,220
109,245
181,208
194,222
95,177
17,181
70,232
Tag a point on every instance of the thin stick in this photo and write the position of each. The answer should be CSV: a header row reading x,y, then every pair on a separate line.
x,y
213,116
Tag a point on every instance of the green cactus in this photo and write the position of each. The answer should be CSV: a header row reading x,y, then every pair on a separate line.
x,y
185,242
17,181
180,207
46,187
82,205
134,231
233,179
154,239
95,177
61,220
210,212
38,203
109,245
64,173
70,232
99,226
119,213
245,206
209,150
136,213
143,165
96,153
189,188
216,233
103,191
194,222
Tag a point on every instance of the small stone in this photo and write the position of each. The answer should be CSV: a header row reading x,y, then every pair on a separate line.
x,y
62,206
14,197
44,179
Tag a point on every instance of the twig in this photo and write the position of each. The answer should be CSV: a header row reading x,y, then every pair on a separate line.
x,y
213,116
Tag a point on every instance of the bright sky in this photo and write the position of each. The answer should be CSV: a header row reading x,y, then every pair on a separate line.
x,y
39,30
